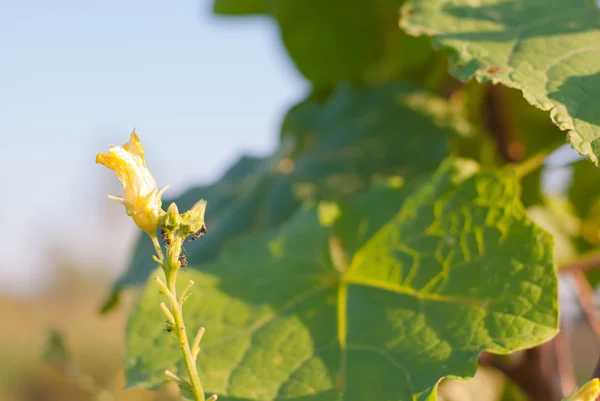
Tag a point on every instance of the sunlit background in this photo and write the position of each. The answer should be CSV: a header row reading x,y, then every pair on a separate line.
x,y
75,77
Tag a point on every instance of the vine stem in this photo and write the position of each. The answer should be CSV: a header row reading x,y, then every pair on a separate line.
x,y
158,249
585,295
530,165
564,362
176,315
190,361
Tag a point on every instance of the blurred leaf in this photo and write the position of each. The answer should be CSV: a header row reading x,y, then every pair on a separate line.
x,y
55,351
564,249
341,147
187,394
112,300
512,392
532,188
339,41
239,7
548,49
530,132
584,190
363,303
584,194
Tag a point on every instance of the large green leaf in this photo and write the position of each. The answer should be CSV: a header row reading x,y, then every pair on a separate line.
x,y
353,302
341,147
336,41
549,49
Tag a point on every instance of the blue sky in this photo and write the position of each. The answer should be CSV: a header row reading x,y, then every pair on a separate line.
x,y
77,76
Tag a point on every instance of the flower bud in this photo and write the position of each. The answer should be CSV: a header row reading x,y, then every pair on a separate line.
x,y
193,219
171,220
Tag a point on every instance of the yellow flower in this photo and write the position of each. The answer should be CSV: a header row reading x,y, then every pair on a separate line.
x,y
589,392
141,196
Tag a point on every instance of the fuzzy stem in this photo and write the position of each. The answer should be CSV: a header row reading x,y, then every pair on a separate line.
x,y
185,290
177,310
564,361
167,313
173,376
175,315
585,295
158,248
196,345
164,290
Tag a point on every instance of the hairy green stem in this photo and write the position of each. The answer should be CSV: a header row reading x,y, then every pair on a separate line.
x,y
158,249
190,361
176,312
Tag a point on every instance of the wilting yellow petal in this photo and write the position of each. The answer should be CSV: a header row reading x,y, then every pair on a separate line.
x,y
140,194
134,146
589,392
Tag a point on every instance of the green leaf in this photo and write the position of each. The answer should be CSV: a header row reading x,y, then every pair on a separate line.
x,y
360,303
239,7
337,41
584,191
545,217
341,146
549,49
55,352
334,41
584,194
512,392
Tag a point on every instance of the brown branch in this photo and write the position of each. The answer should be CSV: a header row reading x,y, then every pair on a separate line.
x,y
564,362
450,87
585,294
498,122
596,372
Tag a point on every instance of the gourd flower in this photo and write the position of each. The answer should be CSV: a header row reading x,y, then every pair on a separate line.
x,y
141,197
589,392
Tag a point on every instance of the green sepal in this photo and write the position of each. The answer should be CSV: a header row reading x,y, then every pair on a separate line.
x,y
193,219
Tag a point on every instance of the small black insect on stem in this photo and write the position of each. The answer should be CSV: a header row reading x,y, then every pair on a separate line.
x,y
183,261
164,237
199,233
169,329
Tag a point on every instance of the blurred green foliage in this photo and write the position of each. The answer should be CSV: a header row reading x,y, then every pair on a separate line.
x,y
350,204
